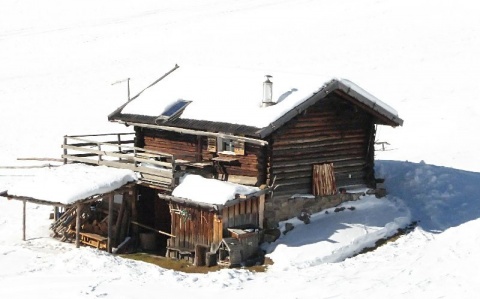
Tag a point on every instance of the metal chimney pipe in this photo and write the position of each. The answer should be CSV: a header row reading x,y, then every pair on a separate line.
x,y
267,92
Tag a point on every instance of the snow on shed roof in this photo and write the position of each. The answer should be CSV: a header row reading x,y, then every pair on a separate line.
x,y
209,191
70,183
235,97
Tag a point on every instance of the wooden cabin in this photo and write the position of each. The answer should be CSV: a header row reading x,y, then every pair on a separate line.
x,y
308,146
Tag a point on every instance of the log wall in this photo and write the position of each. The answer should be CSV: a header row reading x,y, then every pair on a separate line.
x,y
195,148
332,131
251,164
182,146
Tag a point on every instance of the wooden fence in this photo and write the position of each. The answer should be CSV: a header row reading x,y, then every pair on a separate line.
x,y
118,151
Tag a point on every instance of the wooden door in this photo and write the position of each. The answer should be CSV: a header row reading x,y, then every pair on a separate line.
x,y
323,180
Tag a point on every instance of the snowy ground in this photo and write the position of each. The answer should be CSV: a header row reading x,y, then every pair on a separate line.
x,y
59,59
438,259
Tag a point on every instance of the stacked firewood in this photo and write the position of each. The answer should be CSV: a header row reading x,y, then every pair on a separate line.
x,y
323,180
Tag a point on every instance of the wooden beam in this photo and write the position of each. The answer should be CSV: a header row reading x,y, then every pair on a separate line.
x,y
110,223
261,208
77,226
199,133
152,229
29,167
40,159
24,219
98,135
120,217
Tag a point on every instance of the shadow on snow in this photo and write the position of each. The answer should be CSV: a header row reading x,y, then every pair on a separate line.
x,y
438,197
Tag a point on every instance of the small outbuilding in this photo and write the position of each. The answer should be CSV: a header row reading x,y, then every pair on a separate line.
x,y
76,189
205,211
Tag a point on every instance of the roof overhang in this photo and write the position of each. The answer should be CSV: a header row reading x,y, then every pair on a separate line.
x,y
52,203
214,207
383,114
357,96
347,90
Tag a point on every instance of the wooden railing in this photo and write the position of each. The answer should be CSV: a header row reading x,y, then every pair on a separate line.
x,y
118,150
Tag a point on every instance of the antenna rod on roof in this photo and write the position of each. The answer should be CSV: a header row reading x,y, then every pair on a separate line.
x,y
158,80
131,99
128,85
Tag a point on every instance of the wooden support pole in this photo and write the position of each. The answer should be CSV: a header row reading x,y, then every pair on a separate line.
x,y
24,219
55,213
110,222
118,223
261,210
77,226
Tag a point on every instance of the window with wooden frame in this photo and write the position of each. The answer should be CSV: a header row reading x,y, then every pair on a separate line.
x,y
226,146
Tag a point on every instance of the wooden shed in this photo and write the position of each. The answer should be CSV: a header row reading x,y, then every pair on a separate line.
x,y
194,222
92,205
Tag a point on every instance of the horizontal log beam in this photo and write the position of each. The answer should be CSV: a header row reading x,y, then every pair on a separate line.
x,y
200,133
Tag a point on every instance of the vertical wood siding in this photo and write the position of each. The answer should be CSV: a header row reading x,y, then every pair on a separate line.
x,y
206,227
197,228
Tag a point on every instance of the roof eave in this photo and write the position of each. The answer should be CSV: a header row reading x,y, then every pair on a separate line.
x,y
392,119
317,96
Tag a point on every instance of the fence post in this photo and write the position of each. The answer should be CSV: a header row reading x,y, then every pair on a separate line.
x,y
135,157
65,138
173,173
99,154
119,140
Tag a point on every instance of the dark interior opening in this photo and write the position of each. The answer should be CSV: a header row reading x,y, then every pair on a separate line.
x,y
155,213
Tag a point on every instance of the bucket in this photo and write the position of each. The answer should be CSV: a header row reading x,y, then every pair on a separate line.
x,y
148,241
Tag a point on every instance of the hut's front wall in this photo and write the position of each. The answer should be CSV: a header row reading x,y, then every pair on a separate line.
x,y
193,225
196,225
331,131
249,167
251,164
182,146
244,213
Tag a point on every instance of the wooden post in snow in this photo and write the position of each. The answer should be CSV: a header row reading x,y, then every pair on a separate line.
x,y
261,208
110,223
65,152
77,226
24,219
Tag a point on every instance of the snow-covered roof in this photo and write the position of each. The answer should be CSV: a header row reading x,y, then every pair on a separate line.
x,y
209,191
70,183
235,97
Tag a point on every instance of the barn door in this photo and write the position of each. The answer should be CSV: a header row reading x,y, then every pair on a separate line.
x,y
323,180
